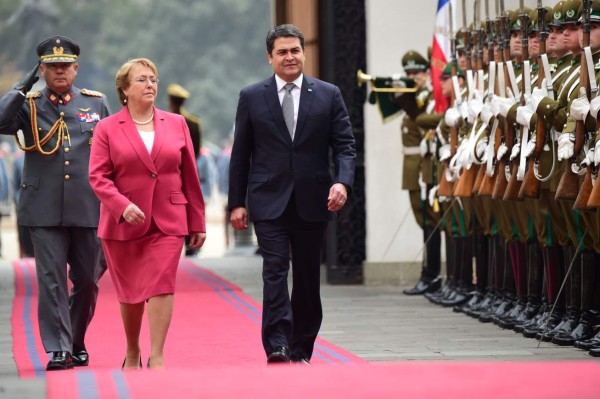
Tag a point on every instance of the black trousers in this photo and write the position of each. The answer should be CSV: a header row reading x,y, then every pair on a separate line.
x,y
292,322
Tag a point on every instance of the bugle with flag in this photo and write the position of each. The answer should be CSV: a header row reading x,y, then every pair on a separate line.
x,y
383,92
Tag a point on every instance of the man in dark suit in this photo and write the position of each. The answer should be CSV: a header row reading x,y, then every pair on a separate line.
x,y
286,126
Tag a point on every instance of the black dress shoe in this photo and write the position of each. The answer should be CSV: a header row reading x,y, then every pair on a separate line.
x,y
423,287
81,358
60,361
281,354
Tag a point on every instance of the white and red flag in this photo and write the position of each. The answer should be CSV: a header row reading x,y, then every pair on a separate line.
x,y
440,49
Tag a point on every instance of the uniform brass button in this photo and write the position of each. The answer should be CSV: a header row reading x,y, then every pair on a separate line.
x,y
60,101
67,177
153,175
67,149
67,163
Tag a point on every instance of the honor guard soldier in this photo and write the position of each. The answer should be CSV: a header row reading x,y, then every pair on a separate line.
x,y
56,202
177,97
417,170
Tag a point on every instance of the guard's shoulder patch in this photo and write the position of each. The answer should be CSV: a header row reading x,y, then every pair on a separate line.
x,y
34,94
92,93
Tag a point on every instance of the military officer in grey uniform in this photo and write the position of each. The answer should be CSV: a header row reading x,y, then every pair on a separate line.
x,y
57,203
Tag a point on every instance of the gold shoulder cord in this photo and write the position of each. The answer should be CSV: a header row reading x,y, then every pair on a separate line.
x,y
60,126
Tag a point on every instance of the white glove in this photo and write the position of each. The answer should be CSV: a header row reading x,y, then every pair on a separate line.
x,y
530,147
566,146
524,115
597,153
538,95
589,158
486,114
504,105
595,107
475,107
502,150
514,153
580,107
464,110
424,147
433,194
444,152
480,148
452,117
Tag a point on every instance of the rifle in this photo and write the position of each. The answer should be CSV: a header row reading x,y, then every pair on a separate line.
x,y
568,188
515,182
486,188
446,187
531,184
466,180
509,134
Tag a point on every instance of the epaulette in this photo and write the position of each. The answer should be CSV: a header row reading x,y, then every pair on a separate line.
x,y
34,94
92,93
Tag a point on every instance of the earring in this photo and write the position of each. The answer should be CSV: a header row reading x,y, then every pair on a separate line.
x,y
125,100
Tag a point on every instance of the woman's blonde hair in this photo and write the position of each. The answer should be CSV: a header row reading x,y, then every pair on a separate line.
x,y
122,78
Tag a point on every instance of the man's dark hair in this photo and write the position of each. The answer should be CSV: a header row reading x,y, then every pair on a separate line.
x,y
286,30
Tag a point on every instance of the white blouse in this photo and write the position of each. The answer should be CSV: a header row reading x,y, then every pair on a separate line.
x,y
148,139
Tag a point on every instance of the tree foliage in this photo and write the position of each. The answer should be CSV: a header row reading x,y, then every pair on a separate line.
x,y
211,47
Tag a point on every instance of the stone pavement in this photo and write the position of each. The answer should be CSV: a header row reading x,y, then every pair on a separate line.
x,y
377,323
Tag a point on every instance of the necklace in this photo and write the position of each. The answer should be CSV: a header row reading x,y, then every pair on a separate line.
x,y
145,122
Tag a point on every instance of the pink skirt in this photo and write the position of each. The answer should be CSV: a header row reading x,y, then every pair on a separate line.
x,y
143,267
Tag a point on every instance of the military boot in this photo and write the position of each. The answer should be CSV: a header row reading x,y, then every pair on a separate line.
x,y
517,254
482,267
463,273
430,280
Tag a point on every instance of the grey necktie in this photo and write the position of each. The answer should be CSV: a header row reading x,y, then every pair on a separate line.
x,y
288,108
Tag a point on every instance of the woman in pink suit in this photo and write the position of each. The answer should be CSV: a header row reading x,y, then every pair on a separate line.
x,y
143,170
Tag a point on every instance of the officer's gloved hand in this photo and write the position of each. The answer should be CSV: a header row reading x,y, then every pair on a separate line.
x,y
595,107
475,106
524,114
452,117
502,150
566,145
580,107
464,110
486,114
589,158
480,149
504,105
537,95
444,152
28,80
597,153
530,147
514,153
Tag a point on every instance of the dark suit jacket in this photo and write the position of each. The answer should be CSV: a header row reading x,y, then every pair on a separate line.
x,y
266,166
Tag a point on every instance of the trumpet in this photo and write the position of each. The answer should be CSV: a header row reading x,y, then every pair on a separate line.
x,y
362,78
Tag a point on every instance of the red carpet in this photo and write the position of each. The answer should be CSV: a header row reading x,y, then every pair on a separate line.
x,y
214,350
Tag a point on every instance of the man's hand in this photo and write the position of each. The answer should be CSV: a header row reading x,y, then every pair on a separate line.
x,y
595,107
452,117
524,114
566,146
337,197
239,218
580,107
28,80
537,95
197,240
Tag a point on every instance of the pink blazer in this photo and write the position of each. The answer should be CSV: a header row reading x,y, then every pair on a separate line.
x,y
164,184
